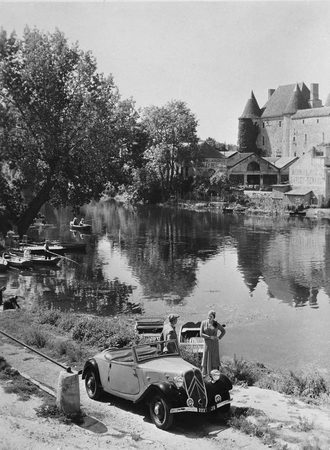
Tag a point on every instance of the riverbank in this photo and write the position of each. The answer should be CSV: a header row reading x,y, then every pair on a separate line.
x,y
79,337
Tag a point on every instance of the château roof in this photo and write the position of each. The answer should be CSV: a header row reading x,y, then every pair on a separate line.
x,y
312,112
296,102
286,100
251,110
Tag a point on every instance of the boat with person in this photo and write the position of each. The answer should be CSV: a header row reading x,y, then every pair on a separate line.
x,y
57,248
85,227
36,260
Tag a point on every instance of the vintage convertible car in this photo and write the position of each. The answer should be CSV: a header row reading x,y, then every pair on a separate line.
x,y
163,380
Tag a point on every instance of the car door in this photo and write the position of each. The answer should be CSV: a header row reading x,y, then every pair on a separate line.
x,y
123,377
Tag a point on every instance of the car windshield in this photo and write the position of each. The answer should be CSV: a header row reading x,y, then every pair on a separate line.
x,y
156,349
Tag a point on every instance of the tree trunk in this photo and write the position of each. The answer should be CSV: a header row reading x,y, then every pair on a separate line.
x,y
33,208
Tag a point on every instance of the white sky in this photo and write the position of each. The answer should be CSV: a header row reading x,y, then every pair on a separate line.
x,y
208,54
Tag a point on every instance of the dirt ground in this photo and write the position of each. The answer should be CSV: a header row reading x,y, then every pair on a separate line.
x,y
117,423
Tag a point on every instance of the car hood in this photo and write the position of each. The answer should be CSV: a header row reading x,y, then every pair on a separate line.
x,y
171,365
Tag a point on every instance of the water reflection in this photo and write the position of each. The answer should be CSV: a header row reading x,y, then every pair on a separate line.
x,y
160,253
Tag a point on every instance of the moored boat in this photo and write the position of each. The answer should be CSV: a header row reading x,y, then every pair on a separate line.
x,y
17,262
150,326
37,260
3,265
189,337
37,248
297,213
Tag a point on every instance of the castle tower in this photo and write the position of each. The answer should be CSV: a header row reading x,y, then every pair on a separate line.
x,y
248,126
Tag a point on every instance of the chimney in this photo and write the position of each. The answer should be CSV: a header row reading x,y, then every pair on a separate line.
x,y
270,92
314,101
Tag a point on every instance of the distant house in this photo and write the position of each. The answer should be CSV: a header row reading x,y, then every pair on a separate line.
x,y
211,159
250,169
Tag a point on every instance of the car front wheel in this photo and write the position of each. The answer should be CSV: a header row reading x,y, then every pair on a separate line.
x,y
92,387
160,412
224,410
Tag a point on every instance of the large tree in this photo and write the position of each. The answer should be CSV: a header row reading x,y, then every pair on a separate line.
x,y
63,126
172,141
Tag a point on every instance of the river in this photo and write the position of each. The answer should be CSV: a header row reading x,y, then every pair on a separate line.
x,y
267,278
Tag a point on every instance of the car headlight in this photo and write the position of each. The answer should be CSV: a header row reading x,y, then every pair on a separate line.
x,y
215,375
178,381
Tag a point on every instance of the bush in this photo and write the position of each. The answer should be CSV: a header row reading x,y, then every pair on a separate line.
x,y
308,384
239,370
35,337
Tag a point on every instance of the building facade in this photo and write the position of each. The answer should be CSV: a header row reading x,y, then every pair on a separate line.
x,y
292,124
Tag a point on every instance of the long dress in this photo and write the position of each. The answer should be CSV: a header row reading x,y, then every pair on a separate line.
x,y
211,356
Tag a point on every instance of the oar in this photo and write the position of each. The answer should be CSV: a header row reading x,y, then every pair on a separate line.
x,y
57,254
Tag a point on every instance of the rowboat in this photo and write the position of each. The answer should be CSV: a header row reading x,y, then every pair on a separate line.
x,y
41,261
37,260
149,326
189,337
298,213
37,248
17,262
3,265
86,228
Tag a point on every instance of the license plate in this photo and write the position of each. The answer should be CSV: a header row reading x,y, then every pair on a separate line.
x,y
202,410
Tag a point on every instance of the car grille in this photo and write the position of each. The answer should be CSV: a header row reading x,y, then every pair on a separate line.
x,y
195,389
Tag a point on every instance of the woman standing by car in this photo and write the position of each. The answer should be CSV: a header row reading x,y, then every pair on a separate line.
x,y
209,330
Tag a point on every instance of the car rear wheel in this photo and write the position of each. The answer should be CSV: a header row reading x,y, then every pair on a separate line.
x,y
92,387
160,412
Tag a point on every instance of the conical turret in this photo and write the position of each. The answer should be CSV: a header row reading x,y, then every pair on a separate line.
x,y
296,102
251,110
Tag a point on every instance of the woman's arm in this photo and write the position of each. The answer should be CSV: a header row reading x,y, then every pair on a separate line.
x,y
222,331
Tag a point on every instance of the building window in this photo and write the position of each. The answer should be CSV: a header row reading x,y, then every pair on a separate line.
x,y
303,121
318,121
305,138
263,140
294,139
280,123
263,124
322,137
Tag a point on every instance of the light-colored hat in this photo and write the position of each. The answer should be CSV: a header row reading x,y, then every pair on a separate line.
x,y
172,317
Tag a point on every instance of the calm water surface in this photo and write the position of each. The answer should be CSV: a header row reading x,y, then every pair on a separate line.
x,y
268,279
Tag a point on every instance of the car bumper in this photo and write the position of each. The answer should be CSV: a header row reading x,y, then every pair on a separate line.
x,y
200,410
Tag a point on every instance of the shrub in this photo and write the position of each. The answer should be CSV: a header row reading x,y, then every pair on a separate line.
x,y
49,316
239,370
35,337
308,384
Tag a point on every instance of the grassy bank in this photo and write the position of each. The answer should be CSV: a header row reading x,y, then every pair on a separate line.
x,y
71,338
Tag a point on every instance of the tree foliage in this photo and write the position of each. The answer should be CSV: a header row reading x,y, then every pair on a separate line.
x,y
172,142
63,127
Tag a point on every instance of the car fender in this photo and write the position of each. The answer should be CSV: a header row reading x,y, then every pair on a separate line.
x,y
92,364
225,382
166,389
